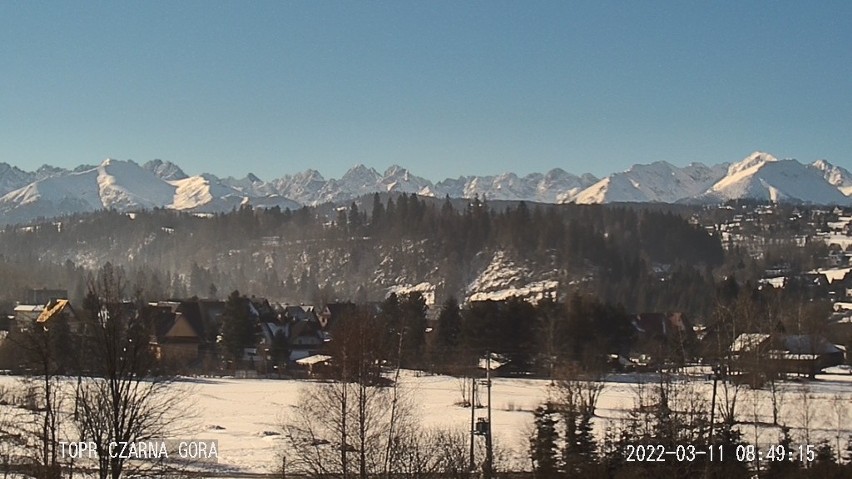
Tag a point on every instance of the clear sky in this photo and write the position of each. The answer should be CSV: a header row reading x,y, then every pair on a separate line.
x,y
444,88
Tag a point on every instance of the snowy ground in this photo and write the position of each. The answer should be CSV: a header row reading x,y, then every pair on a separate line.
x,y
245,415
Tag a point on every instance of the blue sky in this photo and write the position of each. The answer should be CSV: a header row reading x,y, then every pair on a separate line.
x,y
445,88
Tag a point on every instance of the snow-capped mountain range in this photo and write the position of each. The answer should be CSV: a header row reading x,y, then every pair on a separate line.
x,y
126,186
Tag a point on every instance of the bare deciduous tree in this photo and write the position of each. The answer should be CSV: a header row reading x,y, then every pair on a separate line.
x,y
122,399
839,407
44,398
805,412
337,427
11,437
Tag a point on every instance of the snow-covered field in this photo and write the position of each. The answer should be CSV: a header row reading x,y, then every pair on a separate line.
x,y
246,415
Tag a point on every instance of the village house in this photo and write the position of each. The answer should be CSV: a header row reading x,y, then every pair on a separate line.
x,y
839,327
664,337
759,354
184,332
305,331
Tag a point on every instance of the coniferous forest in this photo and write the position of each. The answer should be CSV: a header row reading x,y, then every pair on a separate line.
x,y
359,251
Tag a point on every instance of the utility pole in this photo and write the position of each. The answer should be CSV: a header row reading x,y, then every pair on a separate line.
x,y
719,372
487,466
344,412
713,402
471,465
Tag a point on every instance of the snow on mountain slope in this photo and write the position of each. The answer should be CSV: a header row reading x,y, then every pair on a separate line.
x,y
113,184
657,182
12,178
838,177
750,164
613,188
205,193
208,194
46,171
358,181
251,185
124,185
302,187
165,170
454,187
397,178
760,176
195,192
506,186
52,196
557,184
545,188
704,176
502,279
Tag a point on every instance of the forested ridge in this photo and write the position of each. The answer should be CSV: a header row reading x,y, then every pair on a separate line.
x,y
622,254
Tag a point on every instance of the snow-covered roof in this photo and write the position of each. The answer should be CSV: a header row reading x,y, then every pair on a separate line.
x,y
29,308
793,356
774,282
840,306
55,309
497,361
748,342
315,359
809,344
833,274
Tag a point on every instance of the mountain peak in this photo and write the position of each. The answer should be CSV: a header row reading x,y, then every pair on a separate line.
x,y
361,173
165,170
46,169
761,176
358,168
822,165
394,170
556,173
310,174
837,176
755,160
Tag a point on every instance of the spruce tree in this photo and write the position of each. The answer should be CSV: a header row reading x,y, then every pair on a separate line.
x,y
280,350
238,328
543,449
449,325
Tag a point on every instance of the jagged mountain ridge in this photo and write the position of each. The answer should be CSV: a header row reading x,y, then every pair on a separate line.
x,y
659,182
763,177
125,185
835,175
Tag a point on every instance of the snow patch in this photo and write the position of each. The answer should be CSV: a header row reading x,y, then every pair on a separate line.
x,y
427,290
503,279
